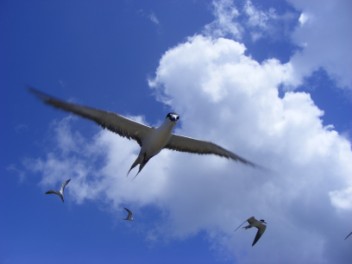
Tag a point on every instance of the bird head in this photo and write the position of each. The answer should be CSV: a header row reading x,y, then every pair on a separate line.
x,y
172,117
263,221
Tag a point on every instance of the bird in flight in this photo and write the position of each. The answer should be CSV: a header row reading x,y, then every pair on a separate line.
x,y
129,216
60,193
151,140
260,225
348,235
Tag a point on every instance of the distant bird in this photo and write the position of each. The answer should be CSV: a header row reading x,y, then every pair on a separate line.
x,y
348,235
260,225
151,140
60,193
129,216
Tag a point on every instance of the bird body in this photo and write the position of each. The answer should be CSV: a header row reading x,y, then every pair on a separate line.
x,y
151,140
60,193
259,224
154,142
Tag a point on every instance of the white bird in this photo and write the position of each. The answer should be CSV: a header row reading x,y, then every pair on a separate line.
x,y
260,225
129,216
348,235
151,140
60,193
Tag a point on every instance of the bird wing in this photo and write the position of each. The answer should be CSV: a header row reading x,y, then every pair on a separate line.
x,y
52,192
64,185
187,144
114,122
260,232
348,235
130,214
128,211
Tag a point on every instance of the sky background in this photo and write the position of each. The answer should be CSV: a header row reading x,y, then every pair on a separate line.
x,y
269,80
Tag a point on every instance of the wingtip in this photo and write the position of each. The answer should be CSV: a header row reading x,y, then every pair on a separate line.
x,y
259,167
41,95
32,89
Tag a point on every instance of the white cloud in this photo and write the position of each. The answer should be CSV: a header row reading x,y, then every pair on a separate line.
x,y
325,37
246,20
151,16
303,18
229,98
224,24
322,33
154,18
259,21
342,199
237,104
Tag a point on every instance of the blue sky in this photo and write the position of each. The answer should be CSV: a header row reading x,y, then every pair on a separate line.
x,y
270,80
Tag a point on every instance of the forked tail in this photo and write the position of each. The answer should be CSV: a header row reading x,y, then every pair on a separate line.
x,y
240,226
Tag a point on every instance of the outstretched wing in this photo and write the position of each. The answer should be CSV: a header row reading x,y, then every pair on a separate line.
x,y
187,144
52,192
260,232
56,193
114,122
64,184
128,211
130,214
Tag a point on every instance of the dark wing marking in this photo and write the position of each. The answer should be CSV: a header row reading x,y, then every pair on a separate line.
x,y
260,232
56,193
52,192
128,211
130,214
114,122
186,144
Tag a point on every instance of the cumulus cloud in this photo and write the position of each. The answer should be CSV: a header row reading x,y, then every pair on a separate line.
x,y
227,97
97,165
239,98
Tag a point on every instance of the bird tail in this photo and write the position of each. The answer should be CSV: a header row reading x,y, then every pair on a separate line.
x,y
141,166
135,163
141,160
240,226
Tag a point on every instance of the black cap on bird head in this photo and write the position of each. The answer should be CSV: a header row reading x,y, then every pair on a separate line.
x,y
173,117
